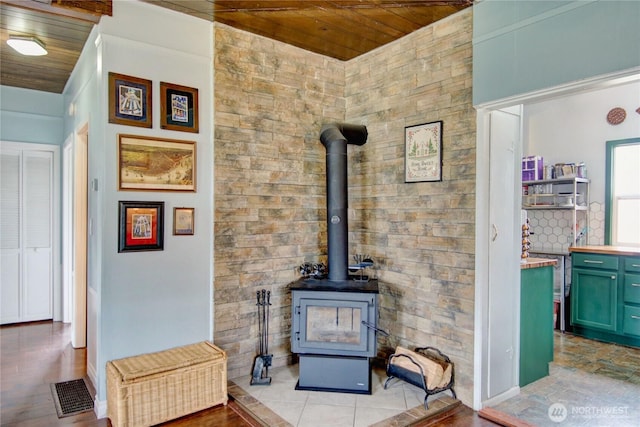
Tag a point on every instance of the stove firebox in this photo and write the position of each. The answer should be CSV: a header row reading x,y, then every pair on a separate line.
x,y
333,331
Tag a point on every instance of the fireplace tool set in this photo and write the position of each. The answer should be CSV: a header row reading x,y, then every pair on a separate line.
x,y
263,360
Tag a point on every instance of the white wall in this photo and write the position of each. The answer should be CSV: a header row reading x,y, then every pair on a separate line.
x,y
574,129
146,301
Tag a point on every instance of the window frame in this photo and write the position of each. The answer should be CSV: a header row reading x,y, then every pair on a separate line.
x,y
608,196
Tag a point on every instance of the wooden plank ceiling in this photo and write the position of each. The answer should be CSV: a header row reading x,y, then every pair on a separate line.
x,y
342,29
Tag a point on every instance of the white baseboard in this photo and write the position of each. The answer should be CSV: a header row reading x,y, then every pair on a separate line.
x,y
91,374
100,408
514,391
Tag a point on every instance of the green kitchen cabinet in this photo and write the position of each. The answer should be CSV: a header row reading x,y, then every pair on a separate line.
x,y
536,323
595,298
605,296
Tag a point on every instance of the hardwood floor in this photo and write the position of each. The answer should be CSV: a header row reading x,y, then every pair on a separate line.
x,y
34,355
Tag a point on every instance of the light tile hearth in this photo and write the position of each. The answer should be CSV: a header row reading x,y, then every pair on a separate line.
x,y
399,405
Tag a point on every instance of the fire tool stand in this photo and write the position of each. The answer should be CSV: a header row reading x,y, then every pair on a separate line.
x,y
263,360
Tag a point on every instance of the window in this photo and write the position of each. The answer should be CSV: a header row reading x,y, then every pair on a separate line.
x,y
622,198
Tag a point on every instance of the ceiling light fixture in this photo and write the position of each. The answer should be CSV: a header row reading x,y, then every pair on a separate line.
x,y
29,45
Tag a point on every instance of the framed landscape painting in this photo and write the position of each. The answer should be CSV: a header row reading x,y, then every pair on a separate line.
x,y
155,164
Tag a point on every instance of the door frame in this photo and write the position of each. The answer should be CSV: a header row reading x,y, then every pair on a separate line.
x,y
80,236
67,231
482,212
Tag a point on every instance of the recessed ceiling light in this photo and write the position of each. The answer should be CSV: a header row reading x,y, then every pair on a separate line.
x,y
28,45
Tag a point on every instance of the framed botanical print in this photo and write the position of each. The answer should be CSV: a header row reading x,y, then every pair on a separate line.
x,y
178,107
141,226
129,100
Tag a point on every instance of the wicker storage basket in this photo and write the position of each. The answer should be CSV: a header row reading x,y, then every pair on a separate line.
x,y
156,387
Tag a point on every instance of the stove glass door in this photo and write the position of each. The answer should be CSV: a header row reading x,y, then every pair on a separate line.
x,y
333,325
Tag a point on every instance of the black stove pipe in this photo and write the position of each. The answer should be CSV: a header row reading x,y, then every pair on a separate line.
x,y
335,138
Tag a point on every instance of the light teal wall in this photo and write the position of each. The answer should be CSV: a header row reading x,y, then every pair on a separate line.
x,y
31,116
142,302
523,46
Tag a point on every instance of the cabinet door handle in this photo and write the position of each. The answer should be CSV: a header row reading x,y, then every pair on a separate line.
x,y
637,285
635,317
613,277
635,265
495,233
588,261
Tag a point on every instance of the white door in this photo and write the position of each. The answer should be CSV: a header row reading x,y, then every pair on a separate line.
x,y
504,253
27,233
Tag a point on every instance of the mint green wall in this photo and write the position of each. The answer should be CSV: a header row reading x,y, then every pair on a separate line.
x,y
523,46
140,302
31,116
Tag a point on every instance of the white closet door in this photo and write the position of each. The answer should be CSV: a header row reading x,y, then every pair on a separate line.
x,y
10,260
504,254
27,235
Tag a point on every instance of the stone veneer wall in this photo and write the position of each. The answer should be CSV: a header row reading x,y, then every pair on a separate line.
x,y
270,208
422,235
271,100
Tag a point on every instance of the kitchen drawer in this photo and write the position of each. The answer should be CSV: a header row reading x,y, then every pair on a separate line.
x,y
632,288
606,262
631,324
632,264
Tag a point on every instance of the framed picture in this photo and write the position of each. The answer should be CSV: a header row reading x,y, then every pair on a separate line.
x,y
154,164
141,226
423,152
178,107
183,221
129,100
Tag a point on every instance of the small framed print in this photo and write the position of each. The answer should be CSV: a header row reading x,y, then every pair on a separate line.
x,y
129,100
183,221
423,152
141,226
178,107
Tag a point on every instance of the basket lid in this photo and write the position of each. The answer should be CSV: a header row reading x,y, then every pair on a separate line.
x,y
134,367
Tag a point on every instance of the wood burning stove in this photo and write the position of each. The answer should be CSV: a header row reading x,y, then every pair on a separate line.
x,y
334,319
334,332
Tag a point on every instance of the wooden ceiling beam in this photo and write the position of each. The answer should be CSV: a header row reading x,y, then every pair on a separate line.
x,y
89,11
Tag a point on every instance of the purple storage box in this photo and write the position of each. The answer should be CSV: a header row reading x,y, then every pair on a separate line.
x,y
532,168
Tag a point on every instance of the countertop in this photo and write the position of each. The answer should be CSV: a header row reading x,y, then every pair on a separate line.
x,y
537,262
606,249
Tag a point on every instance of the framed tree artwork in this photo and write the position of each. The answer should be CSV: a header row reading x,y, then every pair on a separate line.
x,y
423,152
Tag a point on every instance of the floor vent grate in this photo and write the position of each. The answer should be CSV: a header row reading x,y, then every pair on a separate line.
x,y
71,397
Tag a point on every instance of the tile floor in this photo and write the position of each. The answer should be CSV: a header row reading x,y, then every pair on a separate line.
x,y
590,384
290,407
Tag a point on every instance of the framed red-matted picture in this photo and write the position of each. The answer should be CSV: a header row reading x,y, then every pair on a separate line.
x,y
141,226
